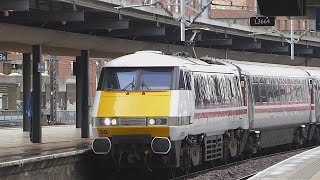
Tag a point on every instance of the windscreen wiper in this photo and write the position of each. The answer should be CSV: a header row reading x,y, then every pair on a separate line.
x,y
143,84
130,85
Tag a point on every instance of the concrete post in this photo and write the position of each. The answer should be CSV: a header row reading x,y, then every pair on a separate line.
x,y
12,96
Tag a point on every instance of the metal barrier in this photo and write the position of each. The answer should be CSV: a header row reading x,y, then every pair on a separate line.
x,y
65,117
9,118
13,118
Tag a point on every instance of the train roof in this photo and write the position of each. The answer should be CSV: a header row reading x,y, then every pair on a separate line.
x,y
206,64
313,71
158,59
271,70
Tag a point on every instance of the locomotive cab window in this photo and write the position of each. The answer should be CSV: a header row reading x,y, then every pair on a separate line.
x,y
132,79
117,79
156,79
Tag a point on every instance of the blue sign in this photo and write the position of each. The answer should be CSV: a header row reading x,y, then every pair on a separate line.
x,y
317,19
3,56
41,67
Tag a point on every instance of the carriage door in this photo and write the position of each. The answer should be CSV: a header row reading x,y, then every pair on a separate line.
x,y
316,99
248,97
250,101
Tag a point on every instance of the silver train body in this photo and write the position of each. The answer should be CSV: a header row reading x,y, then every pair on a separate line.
x,y
174,111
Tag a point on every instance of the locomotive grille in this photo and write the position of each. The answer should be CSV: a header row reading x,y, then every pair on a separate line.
x,y
132,121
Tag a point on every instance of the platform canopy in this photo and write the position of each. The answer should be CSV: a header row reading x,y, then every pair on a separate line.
x,y
83,24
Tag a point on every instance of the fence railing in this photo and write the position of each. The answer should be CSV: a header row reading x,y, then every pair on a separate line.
x,y
13,118
66,117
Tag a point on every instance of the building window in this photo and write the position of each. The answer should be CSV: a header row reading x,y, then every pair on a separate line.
x,y
305,25
177,6
298,25
285,24
278,24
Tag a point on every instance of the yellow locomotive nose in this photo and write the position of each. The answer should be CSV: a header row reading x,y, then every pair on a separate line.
x,y
134,104
134,113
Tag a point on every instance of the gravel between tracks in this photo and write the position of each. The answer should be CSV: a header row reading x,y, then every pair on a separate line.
x,y
246,168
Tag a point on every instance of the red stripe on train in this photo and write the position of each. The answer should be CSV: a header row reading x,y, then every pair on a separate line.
x,y
273,104
244,111
220,114
285,109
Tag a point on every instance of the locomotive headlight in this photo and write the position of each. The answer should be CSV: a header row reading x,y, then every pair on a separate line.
x,y
157,121
152,121
114,122
107,121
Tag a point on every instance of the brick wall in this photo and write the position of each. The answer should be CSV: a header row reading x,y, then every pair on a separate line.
x,y
65,70
64,66
283,23
247,10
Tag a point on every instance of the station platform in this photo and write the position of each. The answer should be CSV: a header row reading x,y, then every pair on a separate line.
x,y
58,142
304,166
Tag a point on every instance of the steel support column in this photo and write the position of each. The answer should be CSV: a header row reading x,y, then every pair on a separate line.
x,y
205,14
84,78
36,135
183,20
292,39
26,89
78,93
53,88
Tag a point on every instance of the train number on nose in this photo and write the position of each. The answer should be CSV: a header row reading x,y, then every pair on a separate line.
x,y
103,132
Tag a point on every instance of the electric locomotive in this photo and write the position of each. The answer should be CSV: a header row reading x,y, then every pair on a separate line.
x,y
157,110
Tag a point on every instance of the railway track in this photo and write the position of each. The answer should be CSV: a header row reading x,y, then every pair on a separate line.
x,y
225,166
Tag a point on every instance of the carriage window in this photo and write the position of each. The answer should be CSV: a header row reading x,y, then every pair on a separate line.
x,y
299,92
237,91
276,93
305,90
269,93
291,90
212,89
293,93
185,80
217,90
288,92
256,94
263,94
282,93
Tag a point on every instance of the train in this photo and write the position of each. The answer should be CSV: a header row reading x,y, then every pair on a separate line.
x,y
159,110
